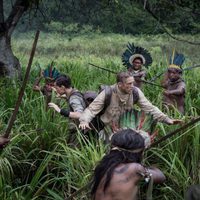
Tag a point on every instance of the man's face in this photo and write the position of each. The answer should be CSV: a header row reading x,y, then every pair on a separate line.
x,y
173,74
127,85
137,64
59,90
49,85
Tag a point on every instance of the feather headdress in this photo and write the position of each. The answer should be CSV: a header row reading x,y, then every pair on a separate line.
x,y
140,122
133,52
51,73
176,60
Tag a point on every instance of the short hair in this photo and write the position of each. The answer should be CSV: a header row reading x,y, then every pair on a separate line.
x,y
64,80
121,76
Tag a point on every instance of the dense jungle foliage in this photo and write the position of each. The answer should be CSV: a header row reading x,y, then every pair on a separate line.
x,y
38,163
127,16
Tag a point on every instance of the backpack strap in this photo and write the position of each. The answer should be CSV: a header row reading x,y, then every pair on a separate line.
x,y
135,95
108,94
76,92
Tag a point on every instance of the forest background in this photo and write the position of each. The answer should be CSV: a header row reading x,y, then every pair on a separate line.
x,y
38,164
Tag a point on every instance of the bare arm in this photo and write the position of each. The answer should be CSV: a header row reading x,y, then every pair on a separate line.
x,y
65,112
164,81
157,175
140,75
151,172
36,85
179,91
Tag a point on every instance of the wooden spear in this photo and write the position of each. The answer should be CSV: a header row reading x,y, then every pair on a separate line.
x,y
113,72
21,93
192,122
184,69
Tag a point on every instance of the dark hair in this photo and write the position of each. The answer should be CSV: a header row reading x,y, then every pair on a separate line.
x,y
121,76
63,80
127,140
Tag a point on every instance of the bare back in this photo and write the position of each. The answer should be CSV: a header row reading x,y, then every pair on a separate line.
x,y
123,184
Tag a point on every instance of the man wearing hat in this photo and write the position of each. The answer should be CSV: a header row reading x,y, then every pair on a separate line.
x,y
134,58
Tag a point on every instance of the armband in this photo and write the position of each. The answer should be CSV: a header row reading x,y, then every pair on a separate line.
x,y
65,112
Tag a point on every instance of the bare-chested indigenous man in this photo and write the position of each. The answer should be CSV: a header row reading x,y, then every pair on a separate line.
x,y
174,93
134,58
118,174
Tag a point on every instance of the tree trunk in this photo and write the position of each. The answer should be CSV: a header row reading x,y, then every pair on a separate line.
x,y
9,64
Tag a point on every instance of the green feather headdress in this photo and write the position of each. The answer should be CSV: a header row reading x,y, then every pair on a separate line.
x,y
142,123
137,120
51,73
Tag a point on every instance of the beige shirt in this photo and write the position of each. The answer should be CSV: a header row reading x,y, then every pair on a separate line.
x,y
120,103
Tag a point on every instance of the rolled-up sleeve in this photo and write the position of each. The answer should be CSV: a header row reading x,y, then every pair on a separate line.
x,y
147,107
94,108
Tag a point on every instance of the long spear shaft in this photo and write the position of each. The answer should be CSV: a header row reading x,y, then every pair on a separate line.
x,y
108,70
113,72
21,93
150,83
161,73
174,132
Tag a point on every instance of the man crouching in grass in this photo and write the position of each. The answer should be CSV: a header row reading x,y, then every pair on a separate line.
x,y
118,174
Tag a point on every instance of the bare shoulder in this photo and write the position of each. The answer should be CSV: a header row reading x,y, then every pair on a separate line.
x,y
130,168
137,167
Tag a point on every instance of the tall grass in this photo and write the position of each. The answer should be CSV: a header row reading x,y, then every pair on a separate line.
x,y
39,164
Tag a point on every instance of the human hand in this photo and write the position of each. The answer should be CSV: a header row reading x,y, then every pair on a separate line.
x,y
54,106
41,73
167,92
3,142
84,125
174,121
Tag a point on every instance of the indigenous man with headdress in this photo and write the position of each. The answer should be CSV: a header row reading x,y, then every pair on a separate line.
x,y
118,174
49,74
133,58
174,93
122,99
